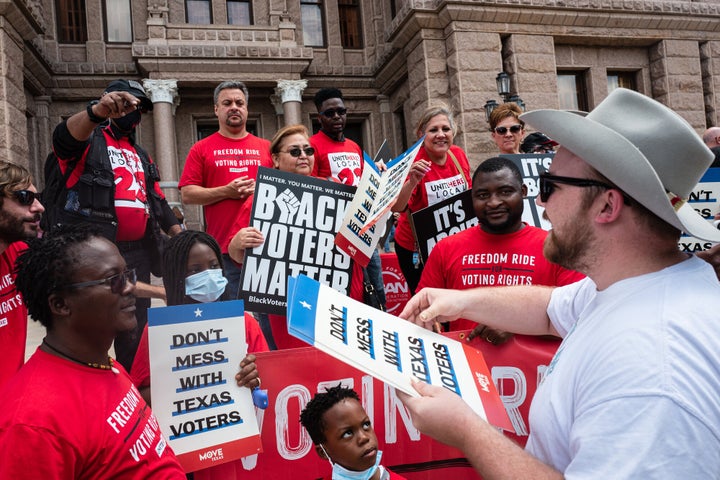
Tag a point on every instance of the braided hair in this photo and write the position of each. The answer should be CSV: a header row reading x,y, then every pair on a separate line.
x,y
175,257
312,415
49,264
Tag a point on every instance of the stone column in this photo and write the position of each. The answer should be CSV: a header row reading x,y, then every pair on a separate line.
x,y
164,96
676,78
157,21
42,106
290,93
44,138
710,64
13,122
386,124
473,61
279,111
427,60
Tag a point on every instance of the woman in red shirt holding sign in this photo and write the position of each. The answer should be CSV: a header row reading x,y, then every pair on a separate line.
x,y
291,152
440,171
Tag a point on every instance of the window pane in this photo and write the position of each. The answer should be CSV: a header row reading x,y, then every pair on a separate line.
x,y
572,94
312,25
621,79
238,13
71,22
118,19
350,31
198,11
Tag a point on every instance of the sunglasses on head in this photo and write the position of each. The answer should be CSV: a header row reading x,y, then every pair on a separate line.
x,y
330,113
296,151
117,282
25,197
513,129
549,182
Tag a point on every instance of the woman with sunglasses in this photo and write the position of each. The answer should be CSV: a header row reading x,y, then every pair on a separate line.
x,y
507,128
440,171
291,152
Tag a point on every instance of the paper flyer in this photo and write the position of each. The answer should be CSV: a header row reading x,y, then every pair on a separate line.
x,y
195,352
376,194
390,349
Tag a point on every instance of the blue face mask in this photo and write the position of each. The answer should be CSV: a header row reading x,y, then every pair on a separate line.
x,y
341,473
206,286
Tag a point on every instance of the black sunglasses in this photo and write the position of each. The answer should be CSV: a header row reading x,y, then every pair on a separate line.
x,y
330,113
296,152
117,282
25,197
548,183
513,129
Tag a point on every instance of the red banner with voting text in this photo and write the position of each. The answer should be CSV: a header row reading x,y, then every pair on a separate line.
x,y
292,377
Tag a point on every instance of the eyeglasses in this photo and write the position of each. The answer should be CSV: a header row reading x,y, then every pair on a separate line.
x,y
548,183
330,113
296,152
25,197
116,282
513,129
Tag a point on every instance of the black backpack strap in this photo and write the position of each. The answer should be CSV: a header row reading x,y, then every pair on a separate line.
x,y
160,211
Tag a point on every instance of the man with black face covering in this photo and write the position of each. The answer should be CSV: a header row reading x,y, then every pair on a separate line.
x,y
113,184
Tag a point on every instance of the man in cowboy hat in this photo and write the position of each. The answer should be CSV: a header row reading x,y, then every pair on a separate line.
x,y
633,390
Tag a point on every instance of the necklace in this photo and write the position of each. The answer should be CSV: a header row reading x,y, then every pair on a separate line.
x,y
87,364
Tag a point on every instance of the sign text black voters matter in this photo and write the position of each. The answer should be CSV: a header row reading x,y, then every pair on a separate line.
x,y
299,217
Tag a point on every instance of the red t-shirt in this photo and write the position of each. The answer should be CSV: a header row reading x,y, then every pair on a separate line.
x,y
13,315
241,220
440,183
131,202
474,258
140,371
338,161
62,420
216,161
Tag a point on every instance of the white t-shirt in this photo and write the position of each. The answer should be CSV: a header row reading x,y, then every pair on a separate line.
x,y
634,389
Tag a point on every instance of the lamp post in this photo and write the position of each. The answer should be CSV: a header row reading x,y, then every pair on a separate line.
x,y
503,88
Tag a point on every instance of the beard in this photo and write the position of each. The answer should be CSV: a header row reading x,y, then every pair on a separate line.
x,y
14,229
502,227
573,249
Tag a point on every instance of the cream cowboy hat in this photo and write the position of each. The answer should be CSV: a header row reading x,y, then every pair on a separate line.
x,y
643,147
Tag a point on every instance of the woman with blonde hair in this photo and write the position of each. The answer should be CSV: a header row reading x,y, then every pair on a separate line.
x,y
440,171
